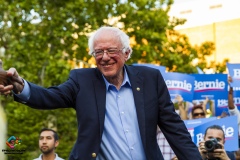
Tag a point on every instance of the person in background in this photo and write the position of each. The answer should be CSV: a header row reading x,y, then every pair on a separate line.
x,y
198,112
48,142
203,106
215,131
232,108
118,106
233,111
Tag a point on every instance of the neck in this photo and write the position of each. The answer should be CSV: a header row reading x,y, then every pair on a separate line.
x,y
117,80
50,156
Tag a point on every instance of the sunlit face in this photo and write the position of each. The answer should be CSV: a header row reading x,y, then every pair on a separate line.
x,y
47,142
111,67
198,113
215,133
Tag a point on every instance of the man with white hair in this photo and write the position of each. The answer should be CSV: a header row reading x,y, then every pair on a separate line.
x,y
118,106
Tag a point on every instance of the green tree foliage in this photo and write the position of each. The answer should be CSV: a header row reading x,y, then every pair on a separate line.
x,y
154,39
40,38
179,55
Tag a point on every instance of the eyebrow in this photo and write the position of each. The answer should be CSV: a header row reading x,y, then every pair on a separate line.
x,y
214,137
40,137
106,48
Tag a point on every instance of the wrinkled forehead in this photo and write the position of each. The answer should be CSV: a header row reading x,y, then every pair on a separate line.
x,y
105,39
106,33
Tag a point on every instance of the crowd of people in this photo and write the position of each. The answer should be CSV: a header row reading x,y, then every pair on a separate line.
x,y
200,111
119,107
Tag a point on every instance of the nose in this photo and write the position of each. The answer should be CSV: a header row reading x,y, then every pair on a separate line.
x,y
105,55
44,140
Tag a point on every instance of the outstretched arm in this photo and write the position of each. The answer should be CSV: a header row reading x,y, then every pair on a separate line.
x,y
233,110
230,95
10,81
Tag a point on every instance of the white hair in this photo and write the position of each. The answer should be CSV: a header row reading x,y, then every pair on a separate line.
x,y
124,39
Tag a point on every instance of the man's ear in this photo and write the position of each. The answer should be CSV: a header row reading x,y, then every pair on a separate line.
x,y
126,52
223,141
56,144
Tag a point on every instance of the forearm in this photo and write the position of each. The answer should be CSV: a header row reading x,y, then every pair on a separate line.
x,y
230,99
183,113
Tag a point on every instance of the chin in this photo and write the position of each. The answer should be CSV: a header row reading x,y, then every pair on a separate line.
x,y
108,75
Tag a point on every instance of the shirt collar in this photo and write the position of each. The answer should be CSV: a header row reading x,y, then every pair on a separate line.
x,y
125,80
56,156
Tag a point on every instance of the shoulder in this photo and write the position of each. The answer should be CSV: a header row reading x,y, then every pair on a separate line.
x,y
39,158
58,158
83,70
137,69
142,68
144,72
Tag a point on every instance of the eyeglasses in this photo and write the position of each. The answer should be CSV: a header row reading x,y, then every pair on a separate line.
x,y
198,114
111,52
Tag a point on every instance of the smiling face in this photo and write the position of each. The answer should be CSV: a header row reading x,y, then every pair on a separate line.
x,y
110,66
47,143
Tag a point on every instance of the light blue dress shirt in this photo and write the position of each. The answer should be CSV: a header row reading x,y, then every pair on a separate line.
x,y
121,138
25,94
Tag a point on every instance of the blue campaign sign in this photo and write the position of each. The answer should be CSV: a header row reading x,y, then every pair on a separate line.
x,y
234,72
221,106
230,128
180,84
162,69
237,99
191,124
236,96
213,86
